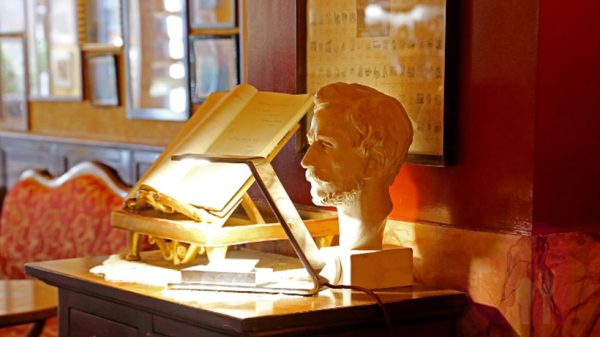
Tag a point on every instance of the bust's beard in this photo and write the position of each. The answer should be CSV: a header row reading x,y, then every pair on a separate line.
x,y
342,195
340,198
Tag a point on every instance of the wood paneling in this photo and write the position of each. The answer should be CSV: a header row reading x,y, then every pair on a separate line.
x,y
567,165
276,47
56,155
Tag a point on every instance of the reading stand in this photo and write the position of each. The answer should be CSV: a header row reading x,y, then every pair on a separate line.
x,y
180,239
188,210
287,215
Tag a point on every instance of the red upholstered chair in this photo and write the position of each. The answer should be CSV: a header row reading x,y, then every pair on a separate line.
x,y
46,219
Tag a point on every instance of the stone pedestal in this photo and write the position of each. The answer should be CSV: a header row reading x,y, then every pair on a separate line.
x,y
372,269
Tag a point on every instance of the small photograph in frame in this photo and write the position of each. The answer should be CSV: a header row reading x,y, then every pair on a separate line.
x,y
13,98
12,17
102,84
214,65
212,13
103,22
65,72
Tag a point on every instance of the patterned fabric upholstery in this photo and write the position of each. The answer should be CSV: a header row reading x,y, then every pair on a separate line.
x,y
45,223
72,220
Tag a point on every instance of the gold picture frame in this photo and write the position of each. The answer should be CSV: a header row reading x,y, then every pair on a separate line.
x,y
65,71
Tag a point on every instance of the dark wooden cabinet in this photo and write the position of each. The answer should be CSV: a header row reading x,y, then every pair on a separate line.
x,y
91,306
82,324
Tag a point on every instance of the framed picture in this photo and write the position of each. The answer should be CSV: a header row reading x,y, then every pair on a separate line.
x,y
214,65
406,49
102,80
65,71
12,17
53,54
103,22
212,13
37,49
13,93
156,59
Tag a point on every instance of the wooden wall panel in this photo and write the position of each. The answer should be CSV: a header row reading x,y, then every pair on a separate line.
x,y
276,45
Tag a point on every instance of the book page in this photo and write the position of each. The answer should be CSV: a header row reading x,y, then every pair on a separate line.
x,y
261,125
252,125
197,134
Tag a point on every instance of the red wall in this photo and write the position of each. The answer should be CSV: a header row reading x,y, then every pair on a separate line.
x,y
490,186
567,123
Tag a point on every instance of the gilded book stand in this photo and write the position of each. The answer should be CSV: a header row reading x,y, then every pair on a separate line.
x,y
180,240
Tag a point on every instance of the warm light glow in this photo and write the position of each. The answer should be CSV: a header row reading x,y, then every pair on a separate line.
x,y
158,89
176,49
177,99
375,14
117,41
194,162
172,6
174,27
117,269
177,71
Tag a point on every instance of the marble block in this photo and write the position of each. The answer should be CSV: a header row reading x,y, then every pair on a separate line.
x,y
373,269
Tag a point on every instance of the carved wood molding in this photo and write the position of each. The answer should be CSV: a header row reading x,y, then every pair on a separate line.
x,y
96,169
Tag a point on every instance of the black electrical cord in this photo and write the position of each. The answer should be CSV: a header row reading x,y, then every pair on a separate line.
x,y
377,299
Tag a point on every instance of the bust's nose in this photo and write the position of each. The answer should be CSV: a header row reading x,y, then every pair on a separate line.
x,y
309,158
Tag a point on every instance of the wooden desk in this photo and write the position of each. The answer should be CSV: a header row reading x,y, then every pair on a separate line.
x,y
91,306
26,301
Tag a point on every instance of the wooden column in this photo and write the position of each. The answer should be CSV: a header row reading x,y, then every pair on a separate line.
x,y
276,45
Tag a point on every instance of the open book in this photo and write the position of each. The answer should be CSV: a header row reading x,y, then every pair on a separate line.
x,y
243,122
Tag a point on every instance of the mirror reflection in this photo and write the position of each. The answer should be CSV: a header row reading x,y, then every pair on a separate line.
x,y
156,60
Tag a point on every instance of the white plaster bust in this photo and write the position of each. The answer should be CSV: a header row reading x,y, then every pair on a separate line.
x,y
358,139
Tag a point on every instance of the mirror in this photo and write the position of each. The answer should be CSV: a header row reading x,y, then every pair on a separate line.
x,y
156,59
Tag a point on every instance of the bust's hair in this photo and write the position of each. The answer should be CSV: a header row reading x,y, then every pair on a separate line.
x,y
380,127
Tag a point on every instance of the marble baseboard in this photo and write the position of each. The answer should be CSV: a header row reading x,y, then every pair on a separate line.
x,y
493,268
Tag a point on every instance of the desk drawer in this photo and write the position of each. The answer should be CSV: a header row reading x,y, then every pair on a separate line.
x,y
86,325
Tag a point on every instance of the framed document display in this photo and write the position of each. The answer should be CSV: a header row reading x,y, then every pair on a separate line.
x,y
398,47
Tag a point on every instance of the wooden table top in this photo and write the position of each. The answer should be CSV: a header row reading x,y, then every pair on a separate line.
x,y
24,301
245,311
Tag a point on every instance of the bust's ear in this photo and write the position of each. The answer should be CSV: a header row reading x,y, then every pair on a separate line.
x,y
371,168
